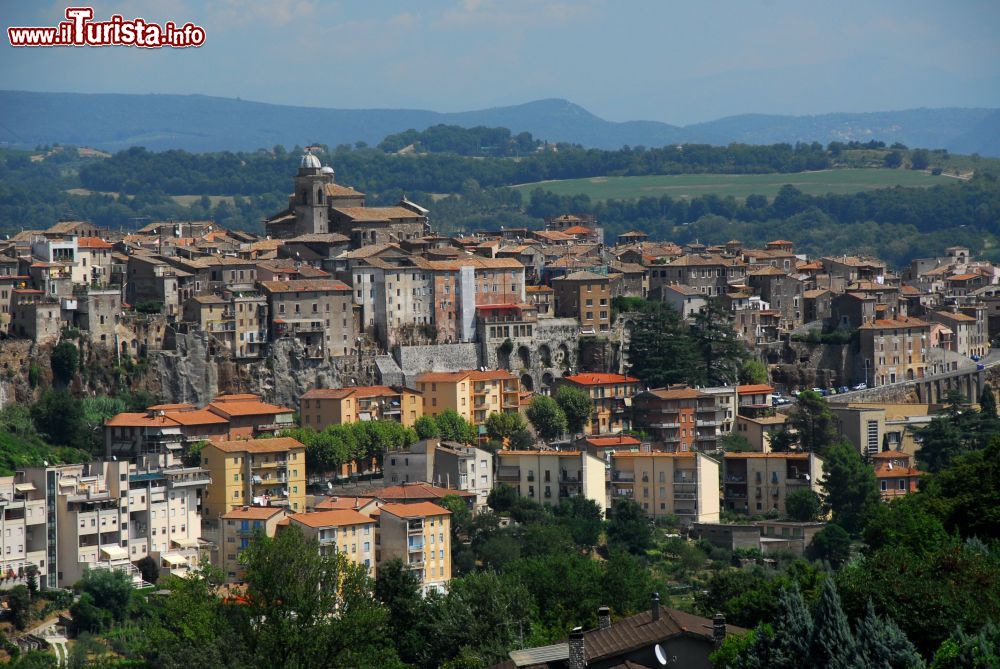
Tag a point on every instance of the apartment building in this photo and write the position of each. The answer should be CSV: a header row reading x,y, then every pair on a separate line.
x,y
237,528
396,296
248,416
548,477
462,284
895,475
610,394
755,483
710,274
446,464
321,407
678,418
419,535
969,335
585,296
893,350
685,485
252,472
22,531
343,531
318,313
755,398
237,319
474,394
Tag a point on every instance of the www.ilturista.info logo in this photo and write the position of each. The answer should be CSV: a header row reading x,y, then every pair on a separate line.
x,y
80,30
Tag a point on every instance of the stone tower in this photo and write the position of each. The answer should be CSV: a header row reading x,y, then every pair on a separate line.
x,y
311,209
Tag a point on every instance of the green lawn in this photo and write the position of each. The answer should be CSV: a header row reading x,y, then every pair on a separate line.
x,y
737,185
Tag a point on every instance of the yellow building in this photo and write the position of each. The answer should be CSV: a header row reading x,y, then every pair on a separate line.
x,y
321,407
755,483
472,393
419,534
683,484
340,530
549,477
238,528
254,472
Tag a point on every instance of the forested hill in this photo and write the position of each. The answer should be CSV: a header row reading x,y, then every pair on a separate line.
x,y
201,123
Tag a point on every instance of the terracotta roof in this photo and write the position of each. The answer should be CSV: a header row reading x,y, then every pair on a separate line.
x,y
773,456
783,242
417,491
93,243
357,391
577,230
277,445
583,276
903,322
954,316
305,285
200,417
377,213
246,408
345,503
252,513
963,277
139,420
897,472
418,509
538,452
597,379
170,407
753,389
618,440
331,518
473,374
336,190
676,393
656,454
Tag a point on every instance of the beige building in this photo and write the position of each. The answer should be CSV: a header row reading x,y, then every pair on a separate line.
x,y
252,472
340,531
319,313
756,483
22,531
760,431
585,296
610,395
679,418
237,529
472,393
894,350
876,427
321,407
549,477
419,534
685,485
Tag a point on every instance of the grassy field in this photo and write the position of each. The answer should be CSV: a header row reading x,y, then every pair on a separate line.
x,y
737,185
187,200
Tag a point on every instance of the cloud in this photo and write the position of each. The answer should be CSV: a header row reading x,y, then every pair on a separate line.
x,y
269,12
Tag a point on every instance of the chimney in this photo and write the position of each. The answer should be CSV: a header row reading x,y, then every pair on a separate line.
x,y
718,629
603,618
577,651
655,608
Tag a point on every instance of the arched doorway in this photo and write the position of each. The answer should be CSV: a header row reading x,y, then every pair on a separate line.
x,y
527,383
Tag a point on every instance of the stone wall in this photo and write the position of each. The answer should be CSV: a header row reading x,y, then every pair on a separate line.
x,y
415,360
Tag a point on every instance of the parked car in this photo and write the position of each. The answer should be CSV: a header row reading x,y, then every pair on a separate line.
x,y
975,358
860,386
843,389
980,366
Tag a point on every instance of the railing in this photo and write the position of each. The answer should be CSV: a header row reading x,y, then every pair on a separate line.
x,y
625,477
707,423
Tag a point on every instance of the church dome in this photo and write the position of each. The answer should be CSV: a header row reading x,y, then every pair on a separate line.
x,y
309,161
326,170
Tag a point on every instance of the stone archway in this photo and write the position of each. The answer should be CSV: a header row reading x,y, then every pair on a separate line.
x,y
527,383
545,355
547,381
524,356
503,357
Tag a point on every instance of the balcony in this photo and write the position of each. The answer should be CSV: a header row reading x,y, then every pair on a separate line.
x,y
273,427
685,495
706,423
188,477
623,477
509,473
415,527
665,426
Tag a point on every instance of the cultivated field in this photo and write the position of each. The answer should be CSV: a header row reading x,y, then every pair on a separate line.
x,y
737,185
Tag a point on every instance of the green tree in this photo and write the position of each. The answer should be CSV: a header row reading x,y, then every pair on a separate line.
x,y
629,527
546,417
905,522
454,427
88,616
920,159
802,505
793,630
832,544
64,361
36,659
849,487
500,426
398,589
753,371
19,604
880,643
292,593
426,427
987,402
970,651
582,517
970,510
940,442
893,159
831,644
814,423
111,590
722,352
576,405
782,441
502,498
59,416
735,443
661,351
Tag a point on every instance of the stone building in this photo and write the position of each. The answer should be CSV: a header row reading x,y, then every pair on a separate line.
x,y
319,313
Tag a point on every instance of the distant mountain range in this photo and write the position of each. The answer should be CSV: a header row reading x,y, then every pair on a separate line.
x,y
201,123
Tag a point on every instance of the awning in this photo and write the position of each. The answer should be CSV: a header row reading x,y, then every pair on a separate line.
x,y
174,559
24,487
114,552
186,543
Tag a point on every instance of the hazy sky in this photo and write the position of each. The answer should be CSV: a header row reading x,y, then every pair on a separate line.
x,y
679,61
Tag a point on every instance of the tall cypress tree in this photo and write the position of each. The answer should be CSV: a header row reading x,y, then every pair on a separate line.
x,y
793,629
880,643
831,645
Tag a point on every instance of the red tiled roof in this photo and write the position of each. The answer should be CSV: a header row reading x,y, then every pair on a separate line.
x,y
619,440
754,389
277,445
418,509
598,379
252,513
331,518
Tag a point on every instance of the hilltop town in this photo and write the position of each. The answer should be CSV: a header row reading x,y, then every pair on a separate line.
x,y
353,375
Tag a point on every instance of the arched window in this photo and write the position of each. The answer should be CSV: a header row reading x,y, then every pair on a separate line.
x,y
304,197
319,197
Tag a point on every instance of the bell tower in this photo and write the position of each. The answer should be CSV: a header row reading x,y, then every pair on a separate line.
x,y
311,208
